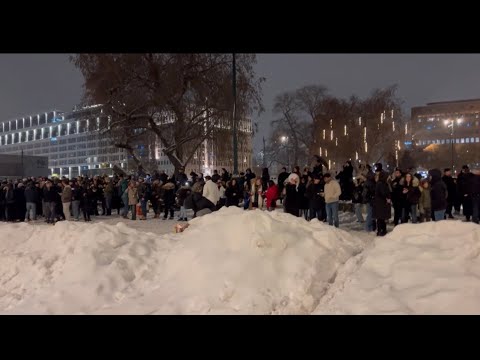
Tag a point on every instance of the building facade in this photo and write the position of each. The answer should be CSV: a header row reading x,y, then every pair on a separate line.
x,y
75,146
432,124
448,126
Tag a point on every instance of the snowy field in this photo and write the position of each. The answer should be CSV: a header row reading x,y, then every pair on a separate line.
x,y
238,262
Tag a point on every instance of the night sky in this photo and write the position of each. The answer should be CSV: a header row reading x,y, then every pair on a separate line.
x,y
37,82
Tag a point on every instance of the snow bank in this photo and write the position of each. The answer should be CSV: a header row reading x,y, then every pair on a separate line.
x,y
431,268
233,261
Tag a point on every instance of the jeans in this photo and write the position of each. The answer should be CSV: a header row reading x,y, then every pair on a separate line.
x,y
108,201
133,209
66,210
426,216
332,213
125,204
369,223
439,215
76,209
413,212
183,212
143,205
31,211
476,208
358,212
50,211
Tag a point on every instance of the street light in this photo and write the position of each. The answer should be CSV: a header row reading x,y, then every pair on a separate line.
x,y
451,123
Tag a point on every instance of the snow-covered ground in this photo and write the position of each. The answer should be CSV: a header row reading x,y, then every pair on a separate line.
x,y
431,268
233,261
238,262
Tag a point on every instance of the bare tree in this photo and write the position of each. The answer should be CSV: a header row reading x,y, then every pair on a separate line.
x,y
180,98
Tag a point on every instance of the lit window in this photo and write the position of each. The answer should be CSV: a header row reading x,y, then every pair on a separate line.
x,y
443,141
477,140
462,141
467,140
472,140
448,141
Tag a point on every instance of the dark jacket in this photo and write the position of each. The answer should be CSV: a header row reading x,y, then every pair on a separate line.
x,y
169,194
368,194
182,193
357,193
475,185
232,194
439,192
31,194
50,195
281,179
215,178
451,187
464,183
397,195
313,194
381,208
303,200
292,200
199,202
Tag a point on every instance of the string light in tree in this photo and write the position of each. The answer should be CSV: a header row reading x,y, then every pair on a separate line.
x,y
345,130
323,134
360,121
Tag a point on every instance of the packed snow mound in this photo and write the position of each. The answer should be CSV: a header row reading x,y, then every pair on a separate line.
x,y
430,268
229,262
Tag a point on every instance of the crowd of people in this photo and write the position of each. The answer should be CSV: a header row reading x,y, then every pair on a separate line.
x,y
311,194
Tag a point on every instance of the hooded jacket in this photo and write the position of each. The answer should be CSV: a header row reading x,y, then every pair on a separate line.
x,y
439,191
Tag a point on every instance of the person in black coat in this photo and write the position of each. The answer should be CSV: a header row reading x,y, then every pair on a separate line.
x,y
411,195
20,203
282,177
438,194
316,201
31,199
292,199
381,205
232,193
88,201
197,202
464,191
368,197
169,198
302,196
452,191
397,196
265,178
50,196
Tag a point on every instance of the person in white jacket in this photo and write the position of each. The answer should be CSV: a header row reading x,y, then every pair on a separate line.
x,y
332,192
210,190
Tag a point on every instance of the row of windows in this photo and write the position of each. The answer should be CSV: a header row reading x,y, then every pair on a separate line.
x,y
30,121
447,141
52,132
100,159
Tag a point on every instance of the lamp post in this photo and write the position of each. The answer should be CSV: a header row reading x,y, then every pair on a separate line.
x,y
451,123
234,115
284,140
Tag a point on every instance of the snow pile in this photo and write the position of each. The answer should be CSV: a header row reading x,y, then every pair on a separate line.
x,y
431,268
233,261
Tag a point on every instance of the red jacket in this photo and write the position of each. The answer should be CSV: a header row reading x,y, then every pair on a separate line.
x,y
271,194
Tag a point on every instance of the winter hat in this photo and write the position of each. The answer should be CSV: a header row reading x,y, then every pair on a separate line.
x,y
20,185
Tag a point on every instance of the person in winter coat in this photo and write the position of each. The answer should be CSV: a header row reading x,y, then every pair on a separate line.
x,y
332,195
256,192
31,199
425,202
232,193
451,189
132,199
316,201
368,196
438,194
169,199
397,196
265,178
411,195
292,199
382,202
475,188
108,193
225,176
221,192
464,191
210,190
89,201
249,176
156,198
303,200
142,195
50,196
282,177
76,200
181,178
66,199
199,204
271,195
182,194
20,203
345,177
357,198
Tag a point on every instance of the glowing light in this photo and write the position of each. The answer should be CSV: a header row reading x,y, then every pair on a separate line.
x,y
406,129
381,118
331,123
345,130
365,134
320,151
396,154
331,134
329,164
398,144
366,147
360,121
326,153
323,134
393,125
392,113
336,141
356,155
